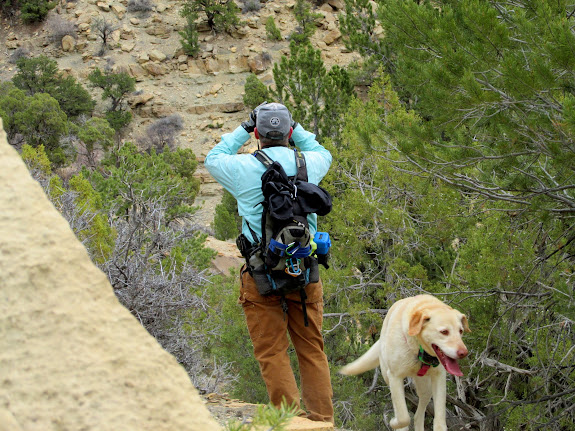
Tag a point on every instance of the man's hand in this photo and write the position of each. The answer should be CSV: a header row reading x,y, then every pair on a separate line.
x,y
250,124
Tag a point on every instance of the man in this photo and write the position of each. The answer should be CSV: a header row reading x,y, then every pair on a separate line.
x,y
267,324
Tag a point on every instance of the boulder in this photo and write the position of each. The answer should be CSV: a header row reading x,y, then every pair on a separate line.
x,y
154,69
104,7
68,43
156,55
332,36
119,10
71,356
258,64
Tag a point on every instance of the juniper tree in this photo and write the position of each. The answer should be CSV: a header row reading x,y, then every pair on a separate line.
x,y
41,75
115,88
255,91
221,15
491,87
92,137
227,223
316,98
190,41
35,10
305,19
34,120
272,31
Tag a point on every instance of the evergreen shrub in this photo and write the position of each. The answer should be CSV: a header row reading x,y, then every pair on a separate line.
x,y
272,31
255,92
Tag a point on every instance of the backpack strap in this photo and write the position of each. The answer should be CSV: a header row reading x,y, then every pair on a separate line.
x,y
263,157
301,166
299,162
254,235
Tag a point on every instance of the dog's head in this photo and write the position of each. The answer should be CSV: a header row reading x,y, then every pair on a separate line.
x,y
439,329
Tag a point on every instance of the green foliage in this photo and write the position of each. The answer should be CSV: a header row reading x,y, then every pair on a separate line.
x,y
272,31
255,92
73,98
95,136
84,208
127,177
35,10
118,119
359,28
227,222
190,42
41,75
98,236
491,87
115,87
221,15
37,120
316,98
190,250
12,101
43,122
266,416
36,160
305,19
398,232
157,259
36,75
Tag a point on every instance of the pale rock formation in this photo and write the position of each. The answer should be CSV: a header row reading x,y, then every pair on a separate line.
x,y
68,43
71,356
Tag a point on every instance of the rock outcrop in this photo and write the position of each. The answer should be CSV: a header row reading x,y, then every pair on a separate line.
x,y
71,356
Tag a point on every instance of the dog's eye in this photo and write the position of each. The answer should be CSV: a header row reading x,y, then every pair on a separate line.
x,y
445,332
461,331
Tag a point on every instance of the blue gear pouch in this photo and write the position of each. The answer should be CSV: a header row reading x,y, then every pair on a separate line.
x,y
322,241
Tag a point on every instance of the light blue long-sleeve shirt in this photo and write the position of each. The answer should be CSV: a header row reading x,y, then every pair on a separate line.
x,y
240,174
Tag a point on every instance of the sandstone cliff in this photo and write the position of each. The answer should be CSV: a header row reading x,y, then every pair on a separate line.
x,y
71,356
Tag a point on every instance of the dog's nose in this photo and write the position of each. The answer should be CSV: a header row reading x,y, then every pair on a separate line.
x,y
462,352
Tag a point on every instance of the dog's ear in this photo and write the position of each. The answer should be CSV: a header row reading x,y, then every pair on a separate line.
x,y
464,323
418,318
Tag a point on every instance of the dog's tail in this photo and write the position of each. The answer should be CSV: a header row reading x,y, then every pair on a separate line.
x,y
368,361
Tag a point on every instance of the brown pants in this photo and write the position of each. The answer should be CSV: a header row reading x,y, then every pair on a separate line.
x,y
269,328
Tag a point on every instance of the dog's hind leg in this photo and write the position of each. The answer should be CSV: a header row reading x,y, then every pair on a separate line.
x,y
401,419
423,389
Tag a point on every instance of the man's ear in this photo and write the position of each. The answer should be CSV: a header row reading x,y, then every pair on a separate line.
x,y
256,134
290,132
418,318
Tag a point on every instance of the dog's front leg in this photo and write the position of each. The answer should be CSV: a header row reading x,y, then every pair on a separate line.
x,y
401,419
423,388
438,387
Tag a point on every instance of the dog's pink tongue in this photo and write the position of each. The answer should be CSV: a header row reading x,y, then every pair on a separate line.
x,y
450,365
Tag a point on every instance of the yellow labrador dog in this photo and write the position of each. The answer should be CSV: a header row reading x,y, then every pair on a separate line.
x,y
420,339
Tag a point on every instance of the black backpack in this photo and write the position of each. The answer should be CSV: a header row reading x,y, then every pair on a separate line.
x,y
284,260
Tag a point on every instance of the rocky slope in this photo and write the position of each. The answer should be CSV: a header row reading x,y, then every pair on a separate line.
x,y
205,91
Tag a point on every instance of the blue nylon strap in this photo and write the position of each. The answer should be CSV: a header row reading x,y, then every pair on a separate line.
x,y
281,249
